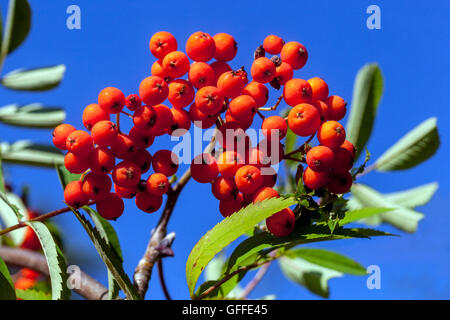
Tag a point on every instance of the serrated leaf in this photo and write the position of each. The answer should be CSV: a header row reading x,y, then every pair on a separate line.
x,y
109,235
402,218
367,91
415,197
412,149
55,261
328,259
18,25
109,257
37,79
11,212
29,153
6,284
32,294
32,116
364,213
226,232
313,277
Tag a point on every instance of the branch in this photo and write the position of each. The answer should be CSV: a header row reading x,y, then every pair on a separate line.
x,y
274,107
154,252
257,279
89,289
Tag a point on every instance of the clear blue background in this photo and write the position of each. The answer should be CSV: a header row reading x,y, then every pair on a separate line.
x,y
111,49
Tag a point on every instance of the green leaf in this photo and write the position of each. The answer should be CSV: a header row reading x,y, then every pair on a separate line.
x,y
415,197
55,261
18,25
38,79
367,91
6,284
108,233
110,257
11,212
355,215
313,277
226,232
66,177
33,116
402,218
32,294
412,149
28,153
328,259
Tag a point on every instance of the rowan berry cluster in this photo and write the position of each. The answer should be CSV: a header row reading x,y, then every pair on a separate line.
x,y
241,173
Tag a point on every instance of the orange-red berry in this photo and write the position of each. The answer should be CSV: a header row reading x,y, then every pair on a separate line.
x,y
323,109
181,122
230,206
304,120
263,70
200,46
158,70
181,93
126,174
264,193
258,92
164,120
343,160
338,107
315,180
96,186
295,54
79,142
201,75
204,168
282,223
127,193
228,163
340,182
273,44
76,164
165,162
224,188
153,90
200,119
142,138
274,126
248,179
320,158
133,102
74,195
111,207
104,133
101,160
319,88
161,43
331,134
350,147
176,64
143,159
226,47
148,202
93,114
124,147
209,100
219,67
231,83
297,91
112,100
243,107
157,184
144,118
283,73
60,134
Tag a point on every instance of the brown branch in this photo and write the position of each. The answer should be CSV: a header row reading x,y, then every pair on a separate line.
x,y
153,252
89,288
162,279
256,280
42,217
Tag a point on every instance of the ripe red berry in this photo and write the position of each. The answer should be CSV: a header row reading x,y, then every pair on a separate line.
x,y
162,43
219,67
228,163
319,88
204,168
147,202
181,122
323,108
304,120
143,159
144,118
153,90
270,177
243,107
273,44
176,64
112,100
231,83
343,160
224,188
133,102
230,206
111,207
315,180
283,73
60,134
157,70
258,92
142,138
350,147
157,184
331,134
93,114
104,133
273,151
338,107
200,119
76,164
263,70
295,54
200,46
320,158
127,193
74,195
244,124
340,182
165,162
124,147
79,142
274,126
96,186
126,174
248,179
282,223
264,193
209,100
297,91
201,75
164,120
181,93
230,135
101,160
226,47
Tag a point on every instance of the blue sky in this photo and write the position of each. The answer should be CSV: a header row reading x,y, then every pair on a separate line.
x,y
111,49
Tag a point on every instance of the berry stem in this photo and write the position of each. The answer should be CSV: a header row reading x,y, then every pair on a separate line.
x,y
41,218
274,107
127,114
118,122
260,114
